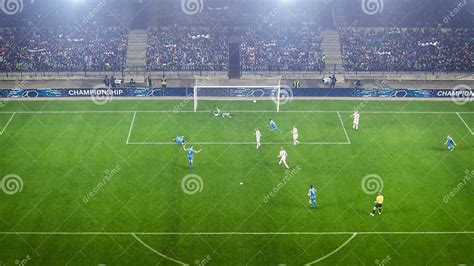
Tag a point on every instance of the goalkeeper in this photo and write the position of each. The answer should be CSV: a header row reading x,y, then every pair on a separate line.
x,y
218,113
180,140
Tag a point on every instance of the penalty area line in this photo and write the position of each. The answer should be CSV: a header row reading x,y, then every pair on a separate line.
x,y
131,127
239,143
344,128
5,127
464,122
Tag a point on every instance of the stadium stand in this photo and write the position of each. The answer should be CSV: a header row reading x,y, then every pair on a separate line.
x,y
273,39
282,49
180,48
63,48
399,49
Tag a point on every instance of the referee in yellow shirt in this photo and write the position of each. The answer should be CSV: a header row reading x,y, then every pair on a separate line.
x,y
378,204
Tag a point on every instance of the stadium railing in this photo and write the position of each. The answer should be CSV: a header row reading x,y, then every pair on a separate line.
x,y
138,71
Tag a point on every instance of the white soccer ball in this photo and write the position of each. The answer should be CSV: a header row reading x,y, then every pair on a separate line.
x,y
241,183
254,101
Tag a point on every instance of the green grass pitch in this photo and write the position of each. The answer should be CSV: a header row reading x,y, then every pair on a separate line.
x,y
102,184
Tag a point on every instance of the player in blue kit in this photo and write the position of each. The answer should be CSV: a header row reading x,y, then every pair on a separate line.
x,y
190,152
273,125
179,140
450,142
312,196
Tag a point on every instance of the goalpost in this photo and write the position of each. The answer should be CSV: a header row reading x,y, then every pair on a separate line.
x,y
261,88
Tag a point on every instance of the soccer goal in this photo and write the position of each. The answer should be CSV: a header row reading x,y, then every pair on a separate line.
x,y
258,88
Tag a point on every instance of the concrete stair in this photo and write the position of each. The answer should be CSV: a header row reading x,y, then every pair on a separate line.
x,y
136,50
338,13
332,50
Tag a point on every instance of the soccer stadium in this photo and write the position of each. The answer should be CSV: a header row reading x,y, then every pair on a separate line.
x,y
236,132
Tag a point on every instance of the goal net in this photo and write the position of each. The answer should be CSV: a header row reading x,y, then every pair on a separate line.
x,y
258,88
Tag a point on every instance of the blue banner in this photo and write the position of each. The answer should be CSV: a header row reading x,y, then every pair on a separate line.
x,y
236,92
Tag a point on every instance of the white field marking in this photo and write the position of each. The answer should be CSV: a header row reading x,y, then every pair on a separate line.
x,y
345,131
334,251
229,142
131,127
464,122
238,143
5,127
242,233
155,251
234,111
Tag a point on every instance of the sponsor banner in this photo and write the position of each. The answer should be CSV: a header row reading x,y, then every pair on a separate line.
x,y
94,92
235,92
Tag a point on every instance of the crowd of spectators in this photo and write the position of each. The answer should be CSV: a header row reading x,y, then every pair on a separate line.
x,y
175,48
397,49
262,49
281,49
62,49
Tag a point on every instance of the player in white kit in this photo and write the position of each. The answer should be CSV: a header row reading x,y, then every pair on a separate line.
x,y
355,123
258,135
294,131
282,157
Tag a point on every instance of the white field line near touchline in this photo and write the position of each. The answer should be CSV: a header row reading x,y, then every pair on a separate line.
x,y
157,252
6,125
232,111
334,251
242,233
464,122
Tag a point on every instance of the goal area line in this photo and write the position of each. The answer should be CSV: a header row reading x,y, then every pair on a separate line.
x,y
246,233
